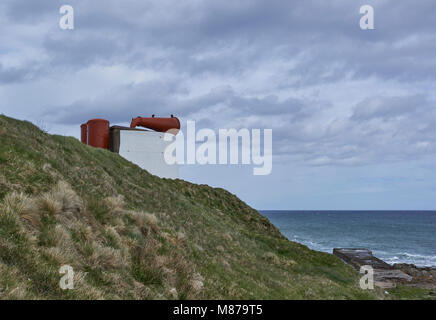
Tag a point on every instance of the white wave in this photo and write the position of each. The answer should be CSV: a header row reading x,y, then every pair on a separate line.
x,y
418,255
420,260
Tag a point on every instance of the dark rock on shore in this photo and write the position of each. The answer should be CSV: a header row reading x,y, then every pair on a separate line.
x,y
423,277
358,257
386,275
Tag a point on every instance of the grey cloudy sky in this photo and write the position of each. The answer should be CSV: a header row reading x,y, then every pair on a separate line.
x,y
353,112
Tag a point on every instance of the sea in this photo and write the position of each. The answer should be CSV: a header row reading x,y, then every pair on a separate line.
x,y
393,236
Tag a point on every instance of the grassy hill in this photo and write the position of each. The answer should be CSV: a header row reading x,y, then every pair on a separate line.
x,y
131,235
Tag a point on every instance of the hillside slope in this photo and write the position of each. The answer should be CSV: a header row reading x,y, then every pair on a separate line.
x,y
131,235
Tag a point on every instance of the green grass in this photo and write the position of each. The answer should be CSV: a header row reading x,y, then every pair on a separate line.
x,y
403,292
131,235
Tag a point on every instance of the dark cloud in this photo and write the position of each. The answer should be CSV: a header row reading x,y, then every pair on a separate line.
x,y
380,129
246,63
325,34
389,108
10,75
31,11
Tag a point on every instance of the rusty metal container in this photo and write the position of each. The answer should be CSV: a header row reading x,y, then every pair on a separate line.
x,y
156,124
98,133
84,133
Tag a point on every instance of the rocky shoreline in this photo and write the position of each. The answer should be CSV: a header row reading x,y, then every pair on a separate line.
x,y
386,275
423,277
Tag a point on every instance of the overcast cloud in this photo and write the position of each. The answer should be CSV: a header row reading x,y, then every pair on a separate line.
x,y
353,112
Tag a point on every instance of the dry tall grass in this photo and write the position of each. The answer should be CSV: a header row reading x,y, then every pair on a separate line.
x,y
123,256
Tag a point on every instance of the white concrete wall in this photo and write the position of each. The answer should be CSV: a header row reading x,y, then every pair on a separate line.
x,y
146,149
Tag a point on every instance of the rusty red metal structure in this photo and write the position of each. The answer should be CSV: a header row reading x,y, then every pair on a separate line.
x,y
84,133
157,124
98,133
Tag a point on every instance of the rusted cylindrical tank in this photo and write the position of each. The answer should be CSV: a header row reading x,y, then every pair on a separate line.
x,y
156,124
98,133
84,133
